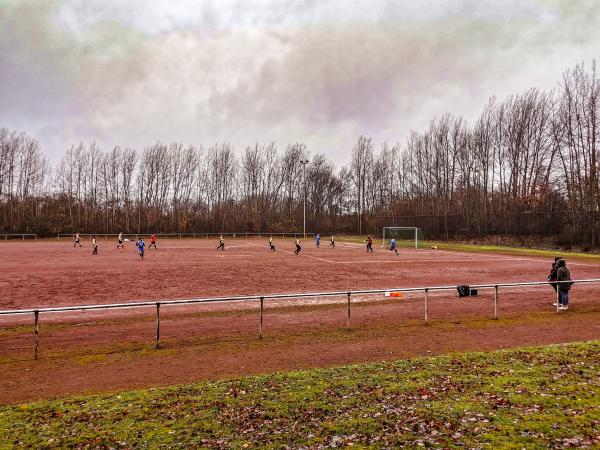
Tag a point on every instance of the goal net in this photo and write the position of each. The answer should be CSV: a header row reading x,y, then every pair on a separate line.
x,y
405,236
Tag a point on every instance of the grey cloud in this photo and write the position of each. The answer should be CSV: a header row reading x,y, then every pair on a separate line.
x,y
244,71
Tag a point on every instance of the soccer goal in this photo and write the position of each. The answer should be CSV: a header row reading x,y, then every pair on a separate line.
x,y
405,236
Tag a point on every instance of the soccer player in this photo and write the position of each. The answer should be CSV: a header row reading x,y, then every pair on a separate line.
x,y
332,243
120,241
393,246
140,244
152,241
94,246
298,248
271,245
318,240
221,243
369,244
76,240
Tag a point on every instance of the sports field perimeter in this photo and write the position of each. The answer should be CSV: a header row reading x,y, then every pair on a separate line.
x,y
106,350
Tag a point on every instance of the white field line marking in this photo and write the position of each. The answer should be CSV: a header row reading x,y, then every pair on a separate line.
x,y
301,254
495,255
395,260
508,257
414,261
408,252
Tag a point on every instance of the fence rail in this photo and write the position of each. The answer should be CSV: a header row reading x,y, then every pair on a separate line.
x,y
244,234
261,298
23,236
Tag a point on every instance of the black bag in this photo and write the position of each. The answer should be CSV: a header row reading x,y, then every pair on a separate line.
x,y
463,290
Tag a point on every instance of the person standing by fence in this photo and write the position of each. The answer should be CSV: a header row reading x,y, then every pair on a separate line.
x,y
94,246
369,244
76,240
552,274
563,274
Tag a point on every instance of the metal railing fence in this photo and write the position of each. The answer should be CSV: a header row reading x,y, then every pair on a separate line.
x,y
261,298
185,235
22,236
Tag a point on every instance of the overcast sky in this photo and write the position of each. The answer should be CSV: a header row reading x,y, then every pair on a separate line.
x,y
131,72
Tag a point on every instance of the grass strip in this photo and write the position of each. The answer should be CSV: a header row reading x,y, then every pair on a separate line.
x,y
535,397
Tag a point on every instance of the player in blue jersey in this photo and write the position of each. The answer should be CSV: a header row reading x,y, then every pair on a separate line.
x,y
393,246
140,246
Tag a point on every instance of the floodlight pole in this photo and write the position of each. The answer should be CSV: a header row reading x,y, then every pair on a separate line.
x,y
304,162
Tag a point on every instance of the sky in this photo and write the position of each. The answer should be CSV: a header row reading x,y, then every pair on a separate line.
x,y
131,72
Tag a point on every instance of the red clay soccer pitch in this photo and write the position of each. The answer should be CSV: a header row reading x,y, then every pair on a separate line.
x,y
54,273
113,349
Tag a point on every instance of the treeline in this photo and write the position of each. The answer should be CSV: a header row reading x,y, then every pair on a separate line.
x,y
527,166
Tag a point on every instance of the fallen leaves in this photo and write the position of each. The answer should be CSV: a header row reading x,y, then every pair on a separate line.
x,y
466,401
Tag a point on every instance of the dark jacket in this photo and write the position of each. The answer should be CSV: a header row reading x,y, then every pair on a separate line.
x,y
552,275
563,274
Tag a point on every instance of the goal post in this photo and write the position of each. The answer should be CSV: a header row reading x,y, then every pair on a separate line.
x,y
405,236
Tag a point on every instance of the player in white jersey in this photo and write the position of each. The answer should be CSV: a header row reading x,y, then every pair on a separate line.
x,y
298,248
271,245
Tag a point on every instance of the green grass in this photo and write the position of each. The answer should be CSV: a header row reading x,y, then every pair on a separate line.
x,y
537,397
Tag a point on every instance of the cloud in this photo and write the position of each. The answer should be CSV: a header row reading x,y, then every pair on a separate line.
x,y
322,72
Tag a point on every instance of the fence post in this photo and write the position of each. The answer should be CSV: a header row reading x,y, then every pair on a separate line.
x,y
157,324
426,306
496,302
557,298
36,314
260,323
348,316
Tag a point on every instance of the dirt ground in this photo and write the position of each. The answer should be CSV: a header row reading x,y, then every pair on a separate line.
x,y
109,350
